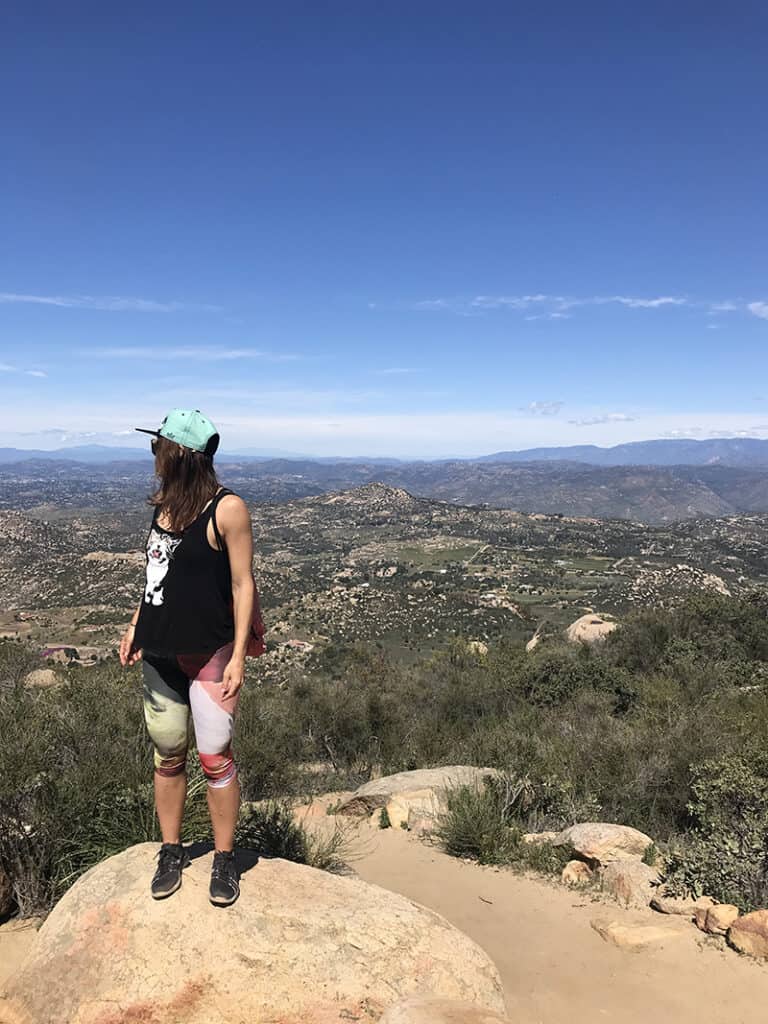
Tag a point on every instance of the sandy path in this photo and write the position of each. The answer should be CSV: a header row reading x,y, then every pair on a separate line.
x,y
555,968
15,939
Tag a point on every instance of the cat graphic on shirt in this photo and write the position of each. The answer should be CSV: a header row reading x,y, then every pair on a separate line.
x,y
160,548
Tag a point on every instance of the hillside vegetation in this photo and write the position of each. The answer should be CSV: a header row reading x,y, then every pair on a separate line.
x,y
662,726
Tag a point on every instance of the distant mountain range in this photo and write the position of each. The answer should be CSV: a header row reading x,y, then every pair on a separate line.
x,y
745,453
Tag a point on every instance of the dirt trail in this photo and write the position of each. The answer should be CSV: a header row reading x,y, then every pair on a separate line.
x,y
554,966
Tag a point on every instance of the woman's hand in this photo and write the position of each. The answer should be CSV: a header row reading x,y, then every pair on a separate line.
x,y
128,656
234,674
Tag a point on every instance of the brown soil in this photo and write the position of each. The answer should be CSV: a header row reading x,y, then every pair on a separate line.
x,y
555,968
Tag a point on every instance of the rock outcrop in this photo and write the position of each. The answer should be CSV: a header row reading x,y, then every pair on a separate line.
x,y
377,792
300,946
602,842
590,628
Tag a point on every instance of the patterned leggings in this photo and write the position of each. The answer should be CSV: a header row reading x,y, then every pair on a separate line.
x,y
172,688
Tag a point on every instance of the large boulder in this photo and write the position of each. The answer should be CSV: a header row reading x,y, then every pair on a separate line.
x,y
590,628
427,1010
630,882
749,934
300,946
377,792
602,842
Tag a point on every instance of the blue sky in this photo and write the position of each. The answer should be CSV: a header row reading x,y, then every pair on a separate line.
x,y
404,229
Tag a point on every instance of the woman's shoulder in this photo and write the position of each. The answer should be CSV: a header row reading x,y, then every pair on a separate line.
x,y
230,507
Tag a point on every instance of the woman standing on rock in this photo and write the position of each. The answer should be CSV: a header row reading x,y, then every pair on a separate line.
x,y
196,622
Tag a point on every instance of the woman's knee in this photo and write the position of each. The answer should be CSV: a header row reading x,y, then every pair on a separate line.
x,y
219,769
169,765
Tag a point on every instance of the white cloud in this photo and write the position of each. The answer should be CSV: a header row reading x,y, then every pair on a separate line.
x,y
510,301
611,417
203,353
7,368
397,370
543,408
633,303
541,305
559,303
723,307
109,303
36,373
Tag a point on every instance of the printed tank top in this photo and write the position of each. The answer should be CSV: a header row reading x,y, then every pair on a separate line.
x,y
187,605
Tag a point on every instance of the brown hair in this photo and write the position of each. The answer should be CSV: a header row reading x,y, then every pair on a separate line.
x,y
188,481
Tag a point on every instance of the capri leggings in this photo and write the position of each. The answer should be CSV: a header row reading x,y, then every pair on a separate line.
x,y
176,686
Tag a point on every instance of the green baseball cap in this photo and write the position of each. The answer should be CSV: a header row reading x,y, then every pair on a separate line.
x,y
189,428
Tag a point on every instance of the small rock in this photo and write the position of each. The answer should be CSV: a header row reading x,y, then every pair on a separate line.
x,y
41,677
631,882
539,837
576,872
603,842
717,919
425,803
635,937
429,1010
679,906
749,934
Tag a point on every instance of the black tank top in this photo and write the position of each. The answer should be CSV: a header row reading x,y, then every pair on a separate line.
x,y
187,605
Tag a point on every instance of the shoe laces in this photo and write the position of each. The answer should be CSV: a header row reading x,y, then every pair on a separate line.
x,y
223,865
169,856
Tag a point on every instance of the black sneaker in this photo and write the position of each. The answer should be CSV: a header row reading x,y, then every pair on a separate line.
x,y
171,860
225,885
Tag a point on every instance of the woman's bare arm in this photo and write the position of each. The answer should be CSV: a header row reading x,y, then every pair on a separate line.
x,y
234,522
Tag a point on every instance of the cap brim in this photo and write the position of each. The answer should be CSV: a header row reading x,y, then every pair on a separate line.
x,y
146,430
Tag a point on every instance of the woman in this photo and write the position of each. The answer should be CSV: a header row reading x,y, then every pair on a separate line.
x,y
196,621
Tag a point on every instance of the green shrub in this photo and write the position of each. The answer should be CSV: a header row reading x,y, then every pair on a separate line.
x,y
384,821
475,825
726,854
271,830
484,824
